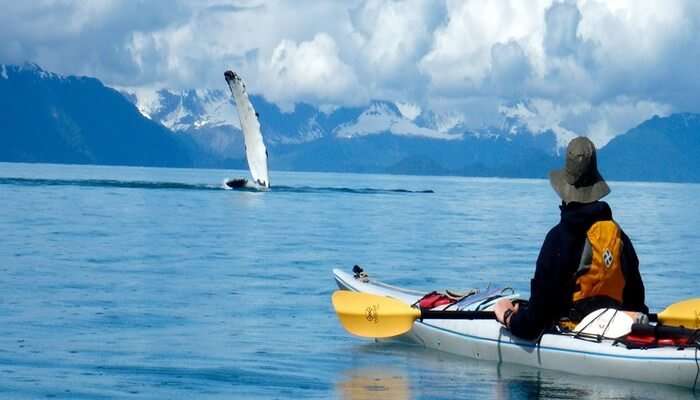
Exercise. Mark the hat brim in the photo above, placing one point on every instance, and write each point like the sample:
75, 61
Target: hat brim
583, 194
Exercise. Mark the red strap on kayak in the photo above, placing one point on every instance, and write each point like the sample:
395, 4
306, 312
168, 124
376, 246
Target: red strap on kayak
648, 340
434, 299
658, 335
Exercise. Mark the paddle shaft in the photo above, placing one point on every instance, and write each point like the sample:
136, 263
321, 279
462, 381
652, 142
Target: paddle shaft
654, 318
435, 314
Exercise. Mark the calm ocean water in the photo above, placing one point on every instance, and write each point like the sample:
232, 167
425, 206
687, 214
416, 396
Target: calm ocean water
148, 283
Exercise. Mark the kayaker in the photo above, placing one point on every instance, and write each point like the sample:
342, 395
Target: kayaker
579, 268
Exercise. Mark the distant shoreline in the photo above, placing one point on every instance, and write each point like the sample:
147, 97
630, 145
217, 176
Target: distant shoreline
244, 172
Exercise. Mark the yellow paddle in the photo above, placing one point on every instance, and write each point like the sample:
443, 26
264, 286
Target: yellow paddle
685, 313
373, 316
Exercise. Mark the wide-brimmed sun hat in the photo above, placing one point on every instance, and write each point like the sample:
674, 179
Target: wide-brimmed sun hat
579, 181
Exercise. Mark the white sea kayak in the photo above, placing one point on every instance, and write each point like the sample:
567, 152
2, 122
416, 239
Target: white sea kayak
488, 340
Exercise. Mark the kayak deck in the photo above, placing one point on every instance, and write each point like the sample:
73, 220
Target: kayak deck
489, 340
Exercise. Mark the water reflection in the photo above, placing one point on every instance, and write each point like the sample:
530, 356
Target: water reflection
519, 382
411, 372
374, 383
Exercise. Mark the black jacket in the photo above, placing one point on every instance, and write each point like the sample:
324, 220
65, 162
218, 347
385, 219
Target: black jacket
552, 288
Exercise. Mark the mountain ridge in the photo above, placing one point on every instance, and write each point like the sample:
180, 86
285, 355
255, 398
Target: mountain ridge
46, 117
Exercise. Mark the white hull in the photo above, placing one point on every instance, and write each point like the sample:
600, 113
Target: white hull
488, 340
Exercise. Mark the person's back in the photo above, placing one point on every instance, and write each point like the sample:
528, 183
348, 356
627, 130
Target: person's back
574, 274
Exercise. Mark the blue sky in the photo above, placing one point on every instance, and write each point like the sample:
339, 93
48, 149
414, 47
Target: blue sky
578, 67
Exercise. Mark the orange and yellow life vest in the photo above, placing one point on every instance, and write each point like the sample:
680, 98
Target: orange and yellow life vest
600, 269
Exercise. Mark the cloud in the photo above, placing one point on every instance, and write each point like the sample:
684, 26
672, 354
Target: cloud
600, 122
217, 8
618, 60
644, 49
310, 71
510, 68
540, 116
461, 53
616, 116
561, 26
81, 37
390, 37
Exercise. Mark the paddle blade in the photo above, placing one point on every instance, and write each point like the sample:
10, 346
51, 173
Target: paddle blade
373, 316
685, 313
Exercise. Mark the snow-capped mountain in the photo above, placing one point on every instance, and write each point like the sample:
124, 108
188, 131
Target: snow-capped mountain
46, 117
211, 117
385, 117
186, 109
207, 117
193, 110
371, 138
90, 124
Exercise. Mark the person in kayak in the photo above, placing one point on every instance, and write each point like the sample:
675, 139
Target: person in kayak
586, 261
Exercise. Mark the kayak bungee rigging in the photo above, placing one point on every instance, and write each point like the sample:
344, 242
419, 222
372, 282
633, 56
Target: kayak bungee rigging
610, 343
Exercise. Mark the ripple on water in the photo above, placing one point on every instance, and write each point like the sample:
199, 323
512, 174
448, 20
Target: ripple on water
137, 289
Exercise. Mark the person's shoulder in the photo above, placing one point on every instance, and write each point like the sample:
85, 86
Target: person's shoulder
604, 208
553, 232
